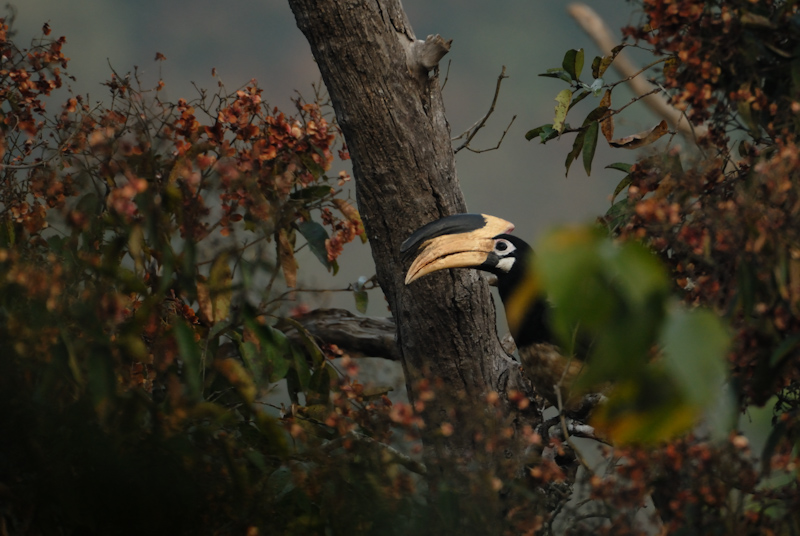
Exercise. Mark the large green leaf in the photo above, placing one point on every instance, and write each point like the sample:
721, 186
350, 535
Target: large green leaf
562, 107
316, 235
695, 343
589, 146
573, 63
190, 355
275, 350
577, 147
558, 73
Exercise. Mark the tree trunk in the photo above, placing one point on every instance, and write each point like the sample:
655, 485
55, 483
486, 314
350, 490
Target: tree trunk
384, 87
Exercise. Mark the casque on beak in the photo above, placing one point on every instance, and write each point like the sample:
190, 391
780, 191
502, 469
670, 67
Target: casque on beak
458, 241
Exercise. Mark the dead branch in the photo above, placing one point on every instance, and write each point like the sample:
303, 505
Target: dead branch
425, 55
358, 336
473, 130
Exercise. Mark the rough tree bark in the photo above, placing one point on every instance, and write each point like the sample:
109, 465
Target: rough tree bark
385, 90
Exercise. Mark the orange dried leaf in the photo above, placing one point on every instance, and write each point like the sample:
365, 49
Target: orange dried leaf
642, 138
204, 300
288, 262
607, 125
350, 212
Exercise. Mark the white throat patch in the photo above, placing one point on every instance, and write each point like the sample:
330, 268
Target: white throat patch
506, 264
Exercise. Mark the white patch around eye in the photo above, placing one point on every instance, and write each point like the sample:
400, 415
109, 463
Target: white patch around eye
506, 264
503, 247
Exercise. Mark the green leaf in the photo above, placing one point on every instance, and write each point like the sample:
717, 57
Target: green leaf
573, 63
274, 348
582, 95
217, 329
362, 300
190, 355
252, 358
617, 215
308, 161
621, 186
589, 146
615, 293
620, 166
637, 272
311, 193
562, 107
320, 385
279, 365
646, 409
280, 483
595, 115
360, 295
558, 73
308, 340
577, 147
293, 386
316, 235
777, 433
301, 368
544, 132
784, 350
695, 343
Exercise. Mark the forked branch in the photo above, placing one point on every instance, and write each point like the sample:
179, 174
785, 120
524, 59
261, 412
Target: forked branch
473, 130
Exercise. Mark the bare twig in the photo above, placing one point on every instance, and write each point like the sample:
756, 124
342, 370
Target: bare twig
498, 141
470, 133
565, 431
619, 110
446, 75
25, 166
396, 456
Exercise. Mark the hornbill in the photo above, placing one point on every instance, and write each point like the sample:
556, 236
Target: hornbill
483, 242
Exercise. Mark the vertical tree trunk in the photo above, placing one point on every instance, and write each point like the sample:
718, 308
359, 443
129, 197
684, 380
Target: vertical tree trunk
384, 86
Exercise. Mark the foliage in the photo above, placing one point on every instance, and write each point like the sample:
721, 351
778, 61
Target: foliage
600, 119
618, 297
143, 325
723, 218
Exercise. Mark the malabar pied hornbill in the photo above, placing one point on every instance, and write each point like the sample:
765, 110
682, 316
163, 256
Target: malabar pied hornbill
483, 242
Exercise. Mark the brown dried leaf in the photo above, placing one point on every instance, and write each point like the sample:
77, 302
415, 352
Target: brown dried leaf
214, 295
288, 262
350, 212
642, 138
204, 300
607, 125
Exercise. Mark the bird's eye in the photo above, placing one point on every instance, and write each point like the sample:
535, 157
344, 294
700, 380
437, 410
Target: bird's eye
503, 246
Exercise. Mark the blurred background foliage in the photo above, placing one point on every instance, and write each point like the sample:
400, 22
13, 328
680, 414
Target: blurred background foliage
147, 259
142, 326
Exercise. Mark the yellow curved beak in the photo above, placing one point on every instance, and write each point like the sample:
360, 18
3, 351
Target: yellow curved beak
459, 241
